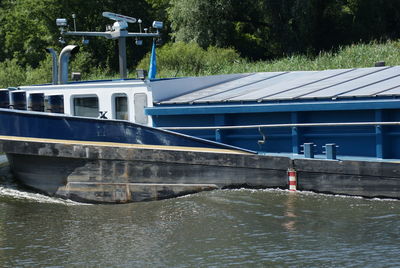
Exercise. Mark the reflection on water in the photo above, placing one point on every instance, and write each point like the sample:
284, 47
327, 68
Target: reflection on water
290, 222
239, 228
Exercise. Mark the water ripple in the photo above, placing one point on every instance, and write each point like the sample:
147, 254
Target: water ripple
225, 228
18, 194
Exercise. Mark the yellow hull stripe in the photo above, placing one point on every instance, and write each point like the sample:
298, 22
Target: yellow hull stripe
124, 145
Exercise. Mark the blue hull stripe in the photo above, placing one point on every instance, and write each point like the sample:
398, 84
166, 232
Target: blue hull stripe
61, 127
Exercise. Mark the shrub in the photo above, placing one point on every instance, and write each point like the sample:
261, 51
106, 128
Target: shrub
11, 74
183, 59
189, 59
40, 75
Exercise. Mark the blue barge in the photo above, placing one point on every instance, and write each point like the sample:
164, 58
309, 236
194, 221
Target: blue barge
168, 137
140, 140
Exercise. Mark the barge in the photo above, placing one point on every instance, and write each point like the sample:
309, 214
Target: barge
143, 139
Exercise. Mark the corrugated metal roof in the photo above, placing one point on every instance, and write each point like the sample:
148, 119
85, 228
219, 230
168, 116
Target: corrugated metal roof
328, 84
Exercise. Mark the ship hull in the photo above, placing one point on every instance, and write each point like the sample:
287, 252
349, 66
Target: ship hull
119, 173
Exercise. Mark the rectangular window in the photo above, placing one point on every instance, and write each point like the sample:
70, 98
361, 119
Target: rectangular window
54, 103
121, 108
86, 106
140, 105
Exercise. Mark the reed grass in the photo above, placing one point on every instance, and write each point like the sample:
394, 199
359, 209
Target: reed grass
179, 59
354, 56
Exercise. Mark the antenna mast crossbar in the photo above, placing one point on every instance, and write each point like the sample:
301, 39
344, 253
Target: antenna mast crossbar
112, 35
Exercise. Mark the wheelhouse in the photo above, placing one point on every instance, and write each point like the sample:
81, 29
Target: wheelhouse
119, 99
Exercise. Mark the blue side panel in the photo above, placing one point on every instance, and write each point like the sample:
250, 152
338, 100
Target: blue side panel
391, 134
279, 139
55, 126
276, 139
363, 141
352, 140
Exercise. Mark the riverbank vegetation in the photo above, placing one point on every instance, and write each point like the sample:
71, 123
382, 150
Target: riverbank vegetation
194, 61
203, 37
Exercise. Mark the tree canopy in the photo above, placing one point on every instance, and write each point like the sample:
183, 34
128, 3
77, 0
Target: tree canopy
262, 29
28, 27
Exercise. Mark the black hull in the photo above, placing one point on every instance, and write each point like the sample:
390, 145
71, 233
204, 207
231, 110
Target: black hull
125, 173
118, 175
43, 173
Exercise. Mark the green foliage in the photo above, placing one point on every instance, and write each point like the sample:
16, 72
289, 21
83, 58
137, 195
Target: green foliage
100, 73
181, 59
83, 62
11, 74
307, 34
159, 12
202, 21
24, 28
353, 56
267, 29
190, 59
39, 75
27, 27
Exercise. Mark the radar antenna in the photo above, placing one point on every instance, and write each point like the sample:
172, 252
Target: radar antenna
118, 17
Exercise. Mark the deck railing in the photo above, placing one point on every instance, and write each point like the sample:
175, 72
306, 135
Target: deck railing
288, 125
379, 133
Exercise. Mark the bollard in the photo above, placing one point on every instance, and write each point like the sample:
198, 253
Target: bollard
330, 150
292, 179
308, 149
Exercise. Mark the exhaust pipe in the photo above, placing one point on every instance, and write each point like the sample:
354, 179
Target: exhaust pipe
53, 53
63, 62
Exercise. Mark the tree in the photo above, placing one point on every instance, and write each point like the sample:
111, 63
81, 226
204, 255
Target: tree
262, 29
28, 27
202, 21
24, 30
375, 19
257, 29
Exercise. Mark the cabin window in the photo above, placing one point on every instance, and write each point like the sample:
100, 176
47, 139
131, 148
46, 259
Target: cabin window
36, 102
4, 99
86, 106
54, 104
121, 107
140, 105
18, 100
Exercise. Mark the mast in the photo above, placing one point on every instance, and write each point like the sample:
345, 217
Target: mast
118, 31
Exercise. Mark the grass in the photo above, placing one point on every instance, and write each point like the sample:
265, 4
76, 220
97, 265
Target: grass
354, 56
180, 59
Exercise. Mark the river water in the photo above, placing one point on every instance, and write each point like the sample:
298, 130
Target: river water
224, 228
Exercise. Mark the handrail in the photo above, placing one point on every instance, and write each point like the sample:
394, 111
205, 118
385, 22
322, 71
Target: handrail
287, 125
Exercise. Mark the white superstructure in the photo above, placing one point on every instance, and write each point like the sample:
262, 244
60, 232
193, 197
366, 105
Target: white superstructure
119, 99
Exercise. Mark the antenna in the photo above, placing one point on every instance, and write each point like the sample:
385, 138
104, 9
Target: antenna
121, 20
118, 17
139, 42
74, 17
140, 25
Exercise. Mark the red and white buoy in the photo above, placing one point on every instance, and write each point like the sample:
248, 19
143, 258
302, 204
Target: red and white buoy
292, 179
